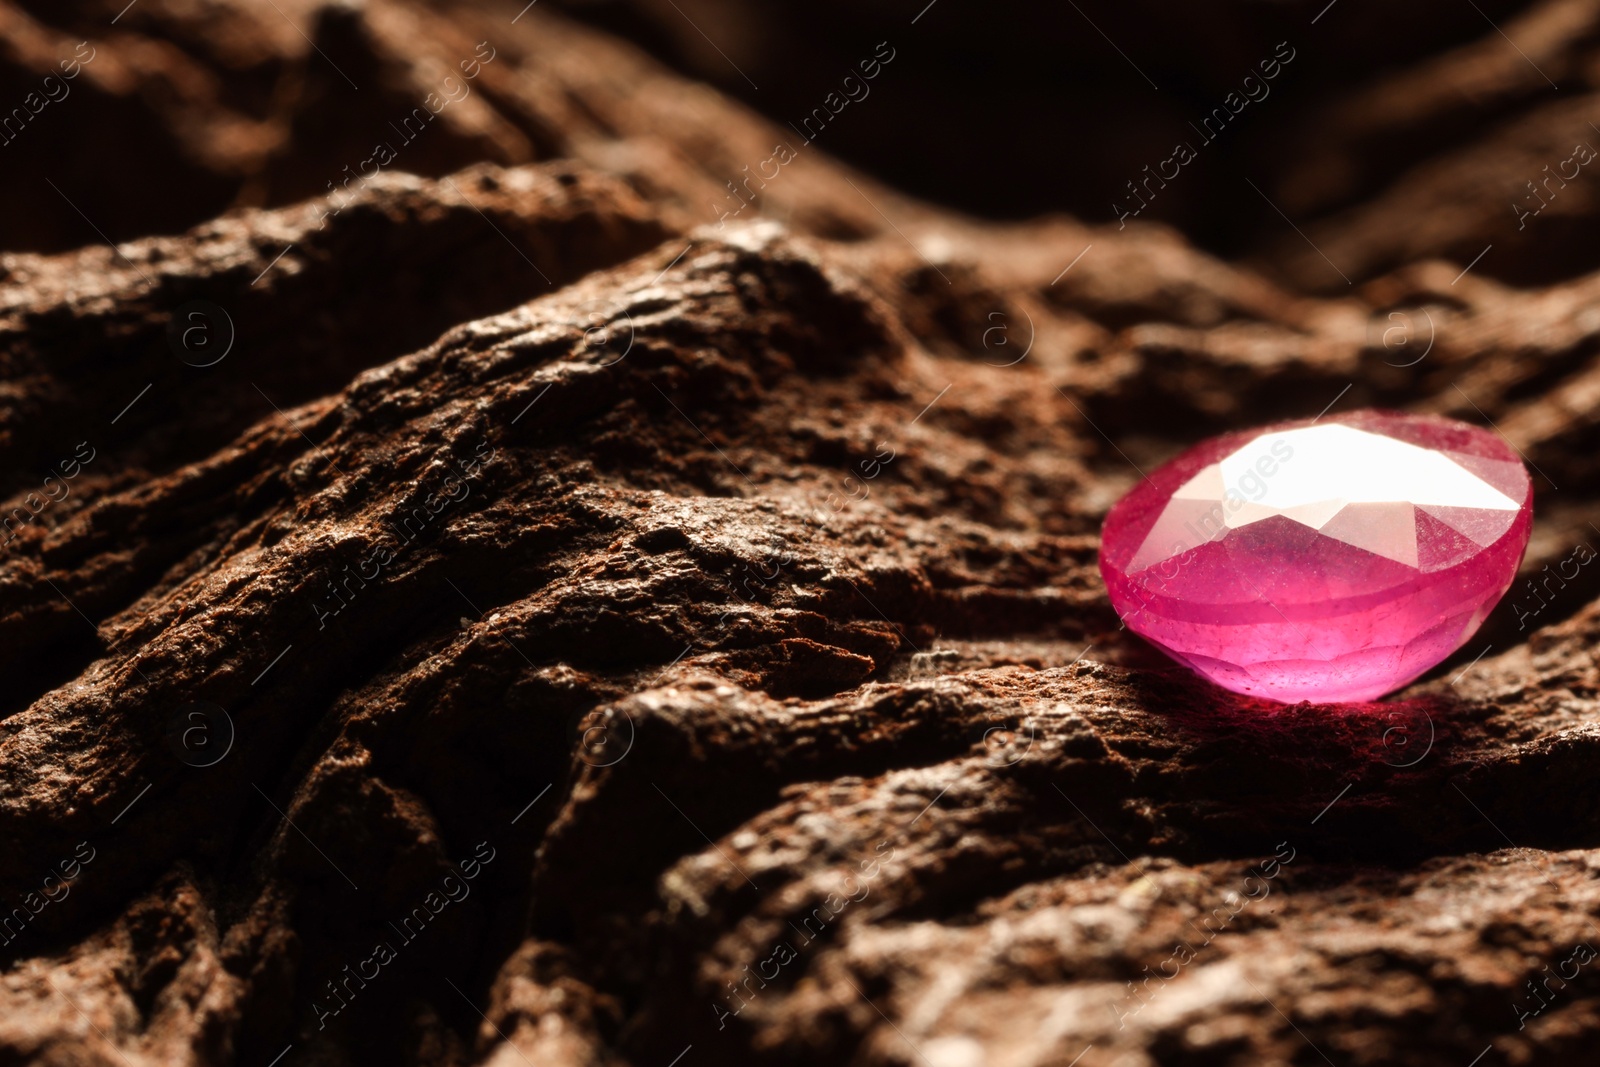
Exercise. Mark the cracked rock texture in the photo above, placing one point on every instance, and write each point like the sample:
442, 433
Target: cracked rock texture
497, 610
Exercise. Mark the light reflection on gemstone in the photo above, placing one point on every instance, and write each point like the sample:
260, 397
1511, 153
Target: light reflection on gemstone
1328, 561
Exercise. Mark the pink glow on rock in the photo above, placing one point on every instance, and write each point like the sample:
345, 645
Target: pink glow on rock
1327, 561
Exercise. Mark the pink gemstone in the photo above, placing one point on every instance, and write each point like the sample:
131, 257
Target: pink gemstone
1327, 561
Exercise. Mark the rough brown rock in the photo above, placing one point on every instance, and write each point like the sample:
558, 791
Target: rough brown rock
721, 596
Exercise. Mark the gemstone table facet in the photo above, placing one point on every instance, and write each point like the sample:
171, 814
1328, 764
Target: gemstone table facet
1327, 560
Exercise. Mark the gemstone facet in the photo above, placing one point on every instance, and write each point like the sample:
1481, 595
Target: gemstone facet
1328, 560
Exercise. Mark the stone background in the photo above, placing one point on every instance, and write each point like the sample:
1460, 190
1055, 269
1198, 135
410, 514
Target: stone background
515, 602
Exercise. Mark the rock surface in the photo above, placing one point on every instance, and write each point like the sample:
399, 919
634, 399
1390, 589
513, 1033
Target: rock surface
567, 625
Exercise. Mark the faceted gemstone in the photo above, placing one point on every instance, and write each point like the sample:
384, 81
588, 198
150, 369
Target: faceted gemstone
1327, 560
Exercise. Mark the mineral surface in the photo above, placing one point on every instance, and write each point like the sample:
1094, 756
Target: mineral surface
678, 639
